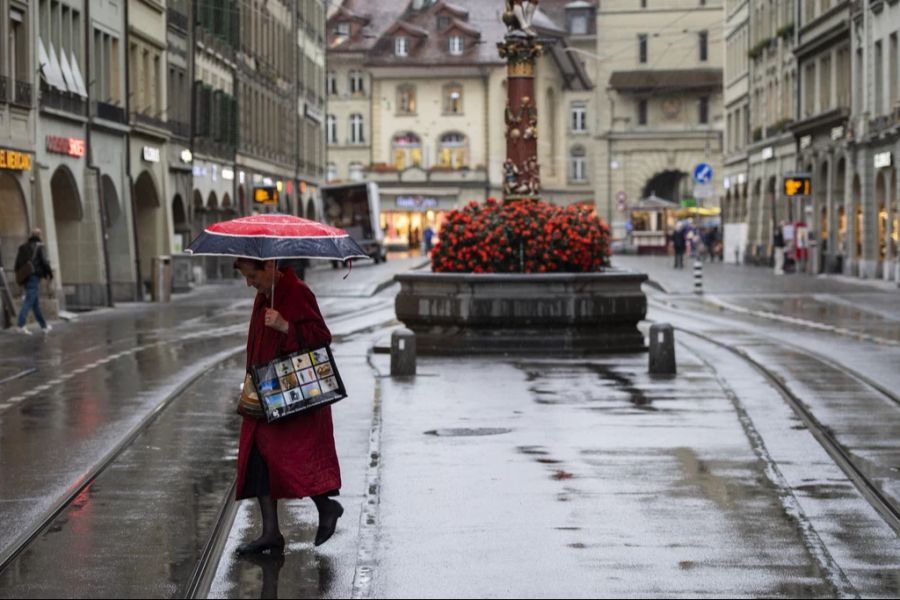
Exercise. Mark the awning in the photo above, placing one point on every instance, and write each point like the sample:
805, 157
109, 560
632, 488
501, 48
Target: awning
657, 80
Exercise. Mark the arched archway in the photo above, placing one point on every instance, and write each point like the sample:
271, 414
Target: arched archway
148, 222
821, 214
180, 224
68, 217
670, 185
857, 218
839, 218
311, 209
242, 201
212, 203
881, 249
894, 221
14, 228
226, 204
118, 243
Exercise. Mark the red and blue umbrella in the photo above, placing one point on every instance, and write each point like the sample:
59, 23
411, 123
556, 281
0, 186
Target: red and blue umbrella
275, 236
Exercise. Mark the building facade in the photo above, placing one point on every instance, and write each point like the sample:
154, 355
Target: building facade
417, 96
660, 67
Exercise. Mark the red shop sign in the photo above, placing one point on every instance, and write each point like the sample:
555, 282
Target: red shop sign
65, 145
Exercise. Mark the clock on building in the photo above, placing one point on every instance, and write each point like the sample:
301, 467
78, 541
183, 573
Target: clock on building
671, 107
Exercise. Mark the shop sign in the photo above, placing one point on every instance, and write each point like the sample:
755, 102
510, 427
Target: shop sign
882, 159
186, 156
416, 202
768, 152
12, 159
742, 179
805, 142
265, 195
797, 184
837, 133
65, 145
200, 171
151, 154
227, 174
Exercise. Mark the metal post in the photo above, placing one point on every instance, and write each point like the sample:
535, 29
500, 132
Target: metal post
698, 276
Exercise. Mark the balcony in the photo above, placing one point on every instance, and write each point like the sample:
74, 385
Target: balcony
64, 101
177, 19
23, 94
110, 112
150, 120
179, 128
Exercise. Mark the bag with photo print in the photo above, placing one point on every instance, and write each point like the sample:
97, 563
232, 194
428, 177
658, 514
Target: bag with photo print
297, 382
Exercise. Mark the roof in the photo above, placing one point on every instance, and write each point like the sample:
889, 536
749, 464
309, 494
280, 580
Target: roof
377, 17
656, 80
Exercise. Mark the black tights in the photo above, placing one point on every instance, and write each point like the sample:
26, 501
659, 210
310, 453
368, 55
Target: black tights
268, 507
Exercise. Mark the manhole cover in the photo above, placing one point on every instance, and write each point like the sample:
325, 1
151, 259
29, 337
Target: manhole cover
468, 431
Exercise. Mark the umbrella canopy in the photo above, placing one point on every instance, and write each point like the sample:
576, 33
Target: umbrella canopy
275, 236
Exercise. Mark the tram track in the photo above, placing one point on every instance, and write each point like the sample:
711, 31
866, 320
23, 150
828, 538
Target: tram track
844, 457
89, 475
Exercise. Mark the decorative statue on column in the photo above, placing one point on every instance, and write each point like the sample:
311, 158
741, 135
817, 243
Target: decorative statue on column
518, 15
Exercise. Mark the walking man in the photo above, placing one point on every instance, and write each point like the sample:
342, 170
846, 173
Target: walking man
31, 267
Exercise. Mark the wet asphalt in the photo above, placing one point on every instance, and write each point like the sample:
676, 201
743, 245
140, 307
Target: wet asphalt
477, 478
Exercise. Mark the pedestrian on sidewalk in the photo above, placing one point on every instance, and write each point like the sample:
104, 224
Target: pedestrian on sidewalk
429, 238
296, 457
31, 267
678, 242
778, 242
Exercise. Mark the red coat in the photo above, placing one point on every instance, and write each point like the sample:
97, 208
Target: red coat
299, 451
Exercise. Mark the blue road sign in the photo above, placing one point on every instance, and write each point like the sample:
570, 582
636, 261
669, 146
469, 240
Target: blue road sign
703, 173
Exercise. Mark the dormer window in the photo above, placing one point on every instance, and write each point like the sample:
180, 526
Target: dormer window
442, 22
457, 45
401, 46
343, 28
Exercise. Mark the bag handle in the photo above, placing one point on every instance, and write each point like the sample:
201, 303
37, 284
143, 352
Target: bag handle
300, 344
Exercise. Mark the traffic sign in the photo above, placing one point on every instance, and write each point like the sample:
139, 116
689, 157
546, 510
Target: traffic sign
703, 173
704, 191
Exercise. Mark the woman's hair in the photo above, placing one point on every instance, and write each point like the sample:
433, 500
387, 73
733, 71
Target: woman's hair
259, 265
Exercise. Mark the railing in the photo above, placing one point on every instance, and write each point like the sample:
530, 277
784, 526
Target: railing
180, 128
146, 119
64, 101
177, 18
23, 93
110, 112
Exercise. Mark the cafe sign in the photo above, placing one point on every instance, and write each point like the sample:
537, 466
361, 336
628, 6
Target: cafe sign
15, 160
65, 145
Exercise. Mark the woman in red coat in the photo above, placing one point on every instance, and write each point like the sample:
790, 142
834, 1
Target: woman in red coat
293, 458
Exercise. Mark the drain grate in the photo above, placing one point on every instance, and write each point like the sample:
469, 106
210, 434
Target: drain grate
468, 431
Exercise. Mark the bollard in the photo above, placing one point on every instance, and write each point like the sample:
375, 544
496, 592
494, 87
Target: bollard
403, 353
662, 349
698, 277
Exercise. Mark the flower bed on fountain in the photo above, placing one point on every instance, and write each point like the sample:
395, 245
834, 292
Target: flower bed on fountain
523, 277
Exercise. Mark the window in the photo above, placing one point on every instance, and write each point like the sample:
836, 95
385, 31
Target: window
453, 99
643, 3
331, 172
18, 47
343, 28
893, 60
704, 109
452, 151
356, 83
406, 99
456, 45
578, 24
407, 150
401, 46
704, 46
442, 22
579, 117
578, 165
642, 112
356, 171
331, 129
331, 83
879, 79
642, 47
356, 129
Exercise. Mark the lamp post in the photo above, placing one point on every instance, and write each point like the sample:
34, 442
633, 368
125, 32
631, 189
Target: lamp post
520, 48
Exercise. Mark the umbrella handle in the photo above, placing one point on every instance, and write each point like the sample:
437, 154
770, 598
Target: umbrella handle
349, 268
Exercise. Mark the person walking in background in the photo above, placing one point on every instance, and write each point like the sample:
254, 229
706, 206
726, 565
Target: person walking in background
678, 242
428, 237
31, 267
778, 243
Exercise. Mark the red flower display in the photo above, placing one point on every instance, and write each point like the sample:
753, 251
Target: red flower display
522, 236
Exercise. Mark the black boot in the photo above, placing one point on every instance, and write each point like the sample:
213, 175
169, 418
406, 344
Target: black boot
329, 513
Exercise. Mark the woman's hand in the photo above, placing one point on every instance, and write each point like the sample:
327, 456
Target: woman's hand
276, 321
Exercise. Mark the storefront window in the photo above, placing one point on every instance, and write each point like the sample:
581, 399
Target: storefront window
452, 151
407, 149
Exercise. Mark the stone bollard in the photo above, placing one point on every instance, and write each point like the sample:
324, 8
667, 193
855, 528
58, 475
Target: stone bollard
698, 277
662, 349
403, 353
